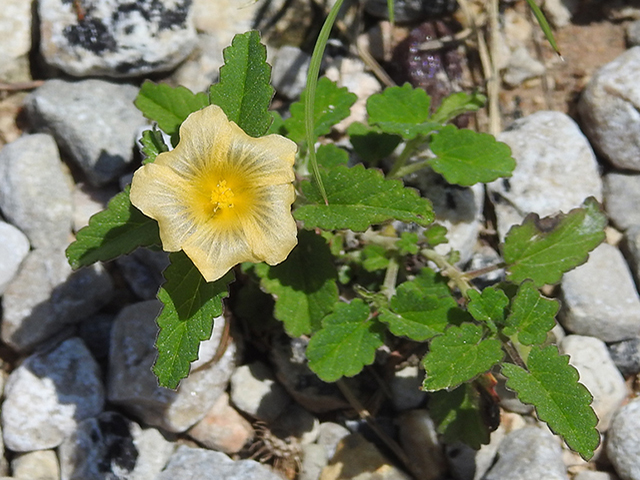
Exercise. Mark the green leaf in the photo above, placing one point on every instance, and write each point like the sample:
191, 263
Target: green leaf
332, 104
459, 355
277, 124
543, 249
152, 145
371, 143
465, 157
551, 385
532, 315
488, 306
168, 106
304, 285
117, 230
244, 91
329, 156
358, 198
346, 343
458, 416
190, 305
436, 234
375, 258
421, 308
408, 243
402, 111
457, 104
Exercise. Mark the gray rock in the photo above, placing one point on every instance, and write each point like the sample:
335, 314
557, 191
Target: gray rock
633, 34
296, 422
87, 201
559, 12
38, 465
609, 109
223, 428
142, 269
459, 209
626, 356
111, 446
48, 395
419, 440
95, 332
631, 247
255, 392
621, 196
405, 388
93, 121
35, 195
133, 385
314, 459
15, 38
14, 247
46, 296
528, 453
330, 435
550, 153
594, 475
598, 373
623, 441
289, 73
600, 298
196, 463
521, 67
115, 39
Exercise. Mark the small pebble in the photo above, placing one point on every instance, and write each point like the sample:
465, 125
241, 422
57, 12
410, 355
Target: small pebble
623, 441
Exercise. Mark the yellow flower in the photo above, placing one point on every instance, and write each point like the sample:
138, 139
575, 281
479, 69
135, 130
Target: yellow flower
221, 196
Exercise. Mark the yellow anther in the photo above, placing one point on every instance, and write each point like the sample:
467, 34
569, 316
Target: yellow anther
221, 196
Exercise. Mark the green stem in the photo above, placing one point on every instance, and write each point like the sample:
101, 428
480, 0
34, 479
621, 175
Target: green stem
448, 270
409, 169
483, 271
409, 148
391, 278
312, 82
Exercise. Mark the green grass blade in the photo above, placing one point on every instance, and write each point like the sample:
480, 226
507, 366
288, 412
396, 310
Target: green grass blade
312, 81
544, 25
391, 11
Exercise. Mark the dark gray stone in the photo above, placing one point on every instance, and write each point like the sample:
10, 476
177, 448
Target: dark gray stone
626, 356
93, 121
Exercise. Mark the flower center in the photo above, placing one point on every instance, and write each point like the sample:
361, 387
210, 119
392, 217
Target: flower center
221, 196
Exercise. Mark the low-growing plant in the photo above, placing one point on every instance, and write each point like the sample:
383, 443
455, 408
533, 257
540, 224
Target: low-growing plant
341, 274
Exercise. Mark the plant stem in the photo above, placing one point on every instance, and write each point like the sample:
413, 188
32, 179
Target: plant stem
482, 271
390, 278
409, 169
409, 147
457, 276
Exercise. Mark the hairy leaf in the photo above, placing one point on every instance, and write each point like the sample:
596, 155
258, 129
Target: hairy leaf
304, 285
488, 306
401, 111
458, 416
532, 315
118, 230
543, 249
244, 91
551, 385
358, 198
465, 157
190, 305
371, 143
330, 156
152, 145
460, 355
421, 308
347, 342
457, 104
168, 106
332, 104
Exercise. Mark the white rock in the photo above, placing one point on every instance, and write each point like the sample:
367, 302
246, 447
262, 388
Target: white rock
38, 465
550, 153
48, 395
14, 247
609, 108
255, 392
598, 373
600, 298
621, 196
15, 38
521, 66
289, 73
623, 441
115, 39
133, 385
559, 12
35, 194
